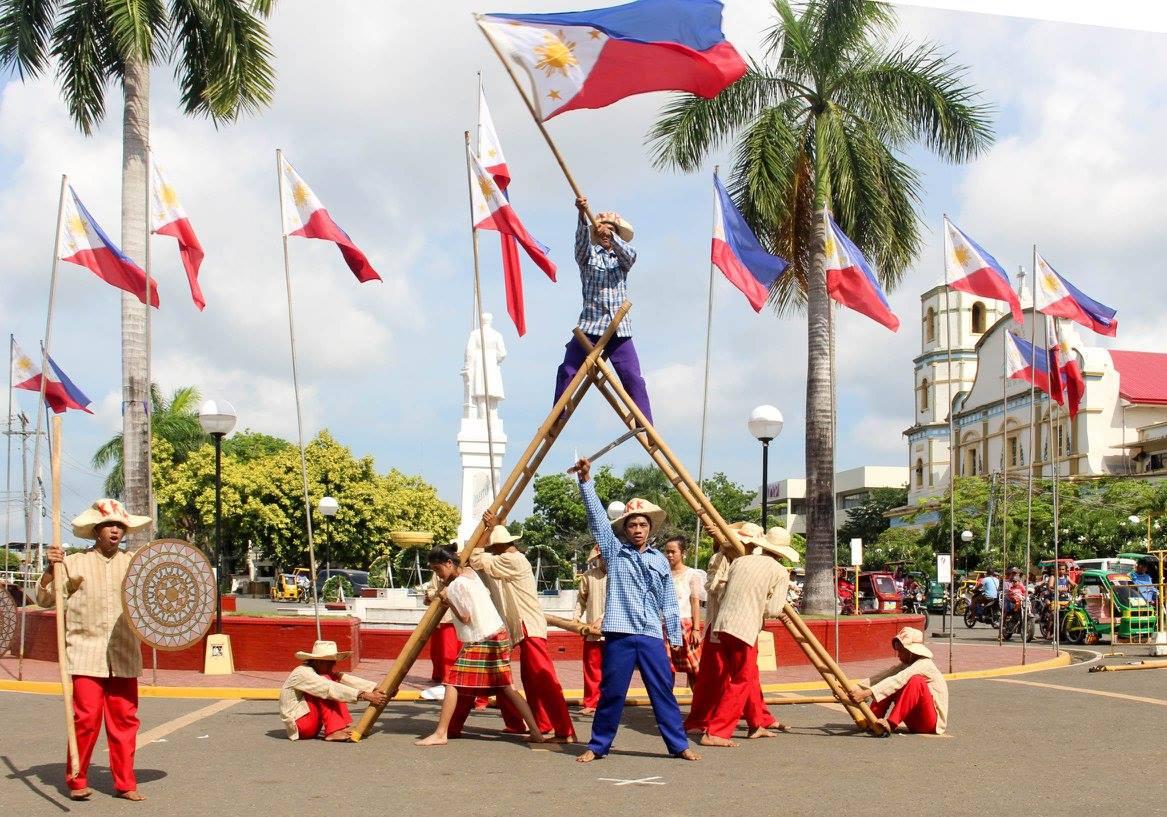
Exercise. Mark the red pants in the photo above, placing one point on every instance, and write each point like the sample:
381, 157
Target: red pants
741, 689
116, 701
323, 714
912, 706
593, 668
542, 690
444, 646
711, 679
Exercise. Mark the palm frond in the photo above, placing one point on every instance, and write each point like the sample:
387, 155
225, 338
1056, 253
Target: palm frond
82, 45
25, 28
844, 28
136, 27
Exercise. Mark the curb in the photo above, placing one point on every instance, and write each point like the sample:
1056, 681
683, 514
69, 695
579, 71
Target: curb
572, 695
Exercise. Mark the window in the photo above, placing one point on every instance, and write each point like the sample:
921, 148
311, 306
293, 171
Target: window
798, 507
924, 394
930, 325
919, 473
978, 318
850, 501
970, 460
1013, 452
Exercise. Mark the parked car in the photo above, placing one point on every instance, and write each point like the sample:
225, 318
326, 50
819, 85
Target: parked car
357, 578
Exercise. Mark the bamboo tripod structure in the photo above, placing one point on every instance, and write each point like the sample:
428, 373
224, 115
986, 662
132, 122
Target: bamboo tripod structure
596, 371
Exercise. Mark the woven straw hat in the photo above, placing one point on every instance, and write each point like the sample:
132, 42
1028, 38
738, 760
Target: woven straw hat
103, 511
639, 507
323, 651
619, 224
777, 541
912, 640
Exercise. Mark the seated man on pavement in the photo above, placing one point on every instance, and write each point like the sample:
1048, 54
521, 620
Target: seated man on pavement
913, 693
314, 696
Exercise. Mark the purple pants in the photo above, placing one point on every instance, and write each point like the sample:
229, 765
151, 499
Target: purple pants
621, 354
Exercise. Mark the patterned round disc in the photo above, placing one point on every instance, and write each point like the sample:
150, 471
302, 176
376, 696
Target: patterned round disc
8, 621
169, 594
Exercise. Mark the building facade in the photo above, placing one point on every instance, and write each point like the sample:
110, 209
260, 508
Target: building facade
787, 498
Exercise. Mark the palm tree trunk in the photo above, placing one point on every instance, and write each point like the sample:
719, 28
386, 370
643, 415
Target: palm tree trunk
135, 389
819, 597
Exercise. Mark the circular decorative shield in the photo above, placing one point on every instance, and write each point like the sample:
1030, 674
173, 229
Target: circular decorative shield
8, 621
168, 594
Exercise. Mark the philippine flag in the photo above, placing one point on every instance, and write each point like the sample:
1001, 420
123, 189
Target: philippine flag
84, 243
489, 146
306, 217
168, 218
61, 394
850, 280
1058, 298
495, 163
1023, 362
970, 269
590, 59
1072, 381
737, 252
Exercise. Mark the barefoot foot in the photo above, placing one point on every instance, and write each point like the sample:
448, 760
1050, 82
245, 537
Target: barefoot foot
80, 794
689, 754
712, 740
760, 732
588, 710
536, 737
131, 795
339, 735
432, 740
588, 757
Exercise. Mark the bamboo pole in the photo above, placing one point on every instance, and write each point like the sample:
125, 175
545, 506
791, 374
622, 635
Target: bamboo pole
59, 578
522, 473
705, 381
571, 625
534, 114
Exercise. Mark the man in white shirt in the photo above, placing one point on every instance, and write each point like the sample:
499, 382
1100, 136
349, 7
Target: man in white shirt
913, 693
314, 698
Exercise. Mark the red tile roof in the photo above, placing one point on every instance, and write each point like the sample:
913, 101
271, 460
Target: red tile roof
1142, 376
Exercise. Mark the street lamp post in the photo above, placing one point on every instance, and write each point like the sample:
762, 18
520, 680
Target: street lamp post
765, 424
328, 506
217, 418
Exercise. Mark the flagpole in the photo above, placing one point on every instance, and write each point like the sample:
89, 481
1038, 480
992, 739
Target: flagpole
481, 328
534, 115
1054, 444
1033, 446
296, 391
1004, 480
952, 453
705, 382
149, 407
832, 315
8, 462
27, 536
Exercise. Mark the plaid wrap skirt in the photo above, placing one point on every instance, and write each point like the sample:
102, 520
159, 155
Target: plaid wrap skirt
686, 659
483, 664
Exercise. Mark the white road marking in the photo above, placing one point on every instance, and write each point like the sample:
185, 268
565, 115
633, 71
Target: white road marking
643, 781
156, 734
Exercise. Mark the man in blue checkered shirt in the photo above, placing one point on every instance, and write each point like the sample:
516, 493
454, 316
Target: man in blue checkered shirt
605, 258
640, 606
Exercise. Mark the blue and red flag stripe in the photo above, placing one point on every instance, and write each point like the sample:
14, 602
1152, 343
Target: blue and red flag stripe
737, 252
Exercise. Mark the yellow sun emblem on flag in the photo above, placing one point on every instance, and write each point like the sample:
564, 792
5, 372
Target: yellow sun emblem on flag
962, 254
829, 248
556, 55
23, 364
300, 194
487, 187
168, 196
1050, 282
76, 226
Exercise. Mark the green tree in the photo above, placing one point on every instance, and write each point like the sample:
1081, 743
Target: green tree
175, 430
250, 445
222, 63
900, 545
867, 521
822, 128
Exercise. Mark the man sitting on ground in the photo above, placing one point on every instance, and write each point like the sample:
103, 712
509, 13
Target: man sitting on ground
913, 692
314, 696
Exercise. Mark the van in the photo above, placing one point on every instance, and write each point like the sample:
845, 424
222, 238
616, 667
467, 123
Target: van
1113, 564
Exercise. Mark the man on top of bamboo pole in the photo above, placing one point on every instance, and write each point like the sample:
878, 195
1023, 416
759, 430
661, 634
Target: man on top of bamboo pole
102, 654
605, 257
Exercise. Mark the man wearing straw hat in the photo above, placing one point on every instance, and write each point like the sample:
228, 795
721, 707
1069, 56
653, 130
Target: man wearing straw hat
102, 654
755, 589
589, 600
640, 598
913, 692
605, 258
511, 582
314, 697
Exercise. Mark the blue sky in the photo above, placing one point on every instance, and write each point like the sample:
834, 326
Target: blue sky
371, 110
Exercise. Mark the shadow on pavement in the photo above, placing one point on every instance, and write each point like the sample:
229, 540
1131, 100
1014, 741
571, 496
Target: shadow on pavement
52, 776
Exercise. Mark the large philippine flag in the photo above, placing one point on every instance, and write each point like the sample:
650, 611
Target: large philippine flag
1058, 298
850, 280
489, 146
737, 252
495, 163
1072, 381
589, 59
1023, 361
306, 217
970, 269
84, 243
61, 394
167, 217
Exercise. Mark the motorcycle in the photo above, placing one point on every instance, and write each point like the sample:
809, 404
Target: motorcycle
1021, 616
983, 613
916, 604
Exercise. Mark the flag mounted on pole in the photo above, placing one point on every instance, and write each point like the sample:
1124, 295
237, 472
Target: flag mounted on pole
970, 269
737, 252
1024, 362
1071, 379
590, 59
167, 217
61, 394
1058, 298
84, 243
305, 216
495, 163
850, 280
489, 146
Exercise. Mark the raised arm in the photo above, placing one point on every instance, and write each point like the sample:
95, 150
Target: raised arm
598, 523
625, 253
583, 234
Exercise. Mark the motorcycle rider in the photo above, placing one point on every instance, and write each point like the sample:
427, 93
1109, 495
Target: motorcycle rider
987, 589
1014, 591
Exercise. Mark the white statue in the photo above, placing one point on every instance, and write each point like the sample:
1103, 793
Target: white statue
483, 388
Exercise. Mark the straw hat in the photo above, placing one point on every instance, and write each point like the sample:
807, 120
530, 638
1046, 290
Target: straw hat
594, 553
622, 227
323, 651
499, 535
912, 640
639, 507
777, 541
103, 511
748, 533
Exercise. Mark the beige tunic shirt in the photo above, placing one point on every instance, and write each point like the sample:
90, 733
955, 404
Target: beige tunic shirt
715, 576
755, 589
512, 586
98, 638
589, 601
892, 681
306, 681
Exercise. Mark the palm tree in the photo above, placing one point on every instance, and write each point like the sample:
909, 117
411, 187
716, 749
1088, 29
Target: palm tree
822, 127
222, 63
174, 421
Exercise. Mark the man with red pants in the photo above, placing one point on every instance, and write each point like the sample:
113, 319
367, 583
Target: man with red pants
314, 698
913, 693
511, 582
755, 589
589, 600
102, 654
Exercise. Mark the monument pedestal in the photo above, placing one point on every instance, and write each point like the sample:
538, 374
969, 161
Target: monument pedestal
475, 451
